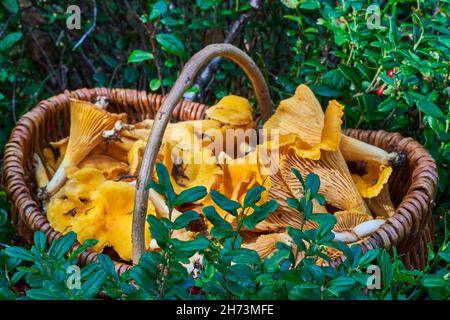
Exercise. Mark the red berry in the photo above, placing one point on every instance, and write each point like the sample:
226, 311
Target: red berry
390, 73
194, 290
380, 91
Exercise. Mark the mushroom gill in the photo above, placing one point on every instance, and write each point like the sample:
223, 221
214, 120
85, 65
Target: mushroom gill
336, 182
265, 245
87, 125
381, 205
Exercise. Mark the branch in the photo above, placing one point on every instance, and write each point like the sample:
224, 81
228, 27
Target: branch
152, 35
91, 28
205, 76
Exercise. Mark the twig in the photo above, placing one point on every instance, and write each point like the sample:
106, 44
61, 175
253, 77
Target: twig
5, 26
152, 35
13, 99
205, 76
91, 28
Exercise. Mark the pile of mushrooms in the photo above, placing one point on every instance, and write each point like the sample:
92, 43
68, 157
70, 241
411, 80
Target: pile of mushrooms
86, 181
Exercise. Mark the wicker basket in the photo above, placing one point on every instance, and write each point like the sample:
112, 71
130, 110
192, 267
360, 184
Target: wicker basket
412, 186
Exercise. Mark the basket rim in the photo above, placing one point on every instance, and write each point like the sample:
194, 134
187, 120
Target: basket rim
409, 218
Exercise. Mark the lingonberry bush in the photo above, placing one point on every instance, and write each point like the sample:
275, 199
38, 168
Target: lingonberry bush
386, 61
220, 268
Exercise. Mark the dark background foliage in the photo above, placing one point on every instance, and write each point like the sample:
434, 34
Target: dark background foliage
393, 76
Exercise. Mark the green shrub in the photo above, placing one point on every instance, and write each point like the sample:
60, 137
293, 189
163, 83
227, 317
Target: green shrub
227, 270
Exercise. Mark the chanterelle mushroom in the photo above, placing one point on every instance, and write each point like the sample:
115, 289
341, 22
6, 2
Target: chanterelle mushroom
87, 125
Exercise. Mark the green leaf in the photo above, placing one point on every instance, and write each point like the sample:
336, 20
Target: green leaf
243, 255
20, 253
260, 214
43, 294
368, 257
108, 266
40, 240
291, 4
315, 271
387, 105
11, 5
88, 243
170, 43
159, 231
220, 233
299, 177
7, 294
223, 202
341, 284
325, 91
9, 40
217, 221
351, 75
297, 236
198, 244
155, 84
326, 223
310, 5
253, 195
60, 247
312, 183
387, 268
434, 281
139, 56
393, 30
205, 4
160, 8
184, 219
190, 195
430, 109
240, 273
164, 181
92, 286
293, 203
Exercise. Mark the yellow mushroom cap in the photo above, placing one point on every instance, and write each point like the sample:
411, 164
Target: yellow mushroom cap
110, 167
301, 115
135, 156
371, 183
190, 167
96, 208
304, 127
232, 110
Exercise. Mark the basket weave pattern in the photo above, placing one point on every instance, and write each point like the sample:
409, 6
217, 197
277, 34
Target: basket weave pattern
412, 186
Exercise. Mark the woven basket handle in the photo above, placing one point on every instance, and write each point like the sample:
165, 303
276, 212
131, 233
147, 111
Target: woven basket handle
162, 118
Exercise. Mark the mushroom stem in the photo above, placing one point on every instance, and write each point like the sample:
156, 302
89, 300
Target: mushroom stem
345, 236
40, 172
160, 206
59, 177
355, 150
162, 118
367, 228
359, 232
